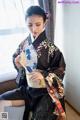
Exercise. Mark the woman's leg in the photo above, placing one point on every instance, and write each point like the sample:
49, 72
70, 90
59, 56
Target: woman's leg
14, 97
15, 103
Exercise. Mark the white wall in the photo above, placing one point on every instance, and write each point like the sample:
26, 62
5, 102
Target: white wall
68, 39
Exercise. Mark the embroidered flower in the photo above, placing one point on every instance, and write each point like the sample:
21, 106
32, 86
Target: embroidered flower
52, 48
46, 45
42, 44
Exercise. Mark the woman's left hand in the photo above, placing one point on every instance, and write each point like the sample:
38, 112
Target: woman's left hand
36, 75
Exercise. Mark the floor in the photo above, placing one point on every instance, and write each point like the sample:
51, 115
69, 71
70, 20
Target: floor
71, 114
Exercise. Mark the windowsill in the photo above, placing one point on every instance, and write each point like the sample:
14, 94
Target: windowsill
8, 76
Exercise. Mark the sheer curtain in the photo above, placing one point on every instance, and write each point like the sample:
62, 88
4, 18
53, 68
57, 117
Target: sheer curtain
12, 31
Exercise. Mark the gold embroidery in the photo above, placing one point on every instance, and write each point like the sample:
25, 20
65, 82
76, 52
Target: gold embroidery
47, 45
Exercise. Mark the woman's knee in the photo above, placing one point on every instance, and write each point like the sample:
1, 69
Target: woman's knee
18, 103
14, 103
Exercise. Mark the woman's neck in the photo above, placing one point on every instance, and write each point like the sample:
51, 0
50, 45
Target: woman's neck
35, 37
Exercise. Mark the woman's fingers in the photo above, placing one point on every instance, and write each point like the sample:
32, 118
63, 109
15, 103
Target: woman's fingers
17, 61
36, 76
22, 59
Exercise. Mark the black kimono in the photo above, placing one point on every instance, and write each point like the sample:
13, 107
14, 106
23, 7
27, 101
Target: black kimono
49, 60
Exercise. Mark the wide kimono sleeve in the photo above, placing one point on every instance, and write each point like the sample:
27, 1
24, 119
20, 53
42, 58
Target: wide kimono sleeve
55, 72
56, 63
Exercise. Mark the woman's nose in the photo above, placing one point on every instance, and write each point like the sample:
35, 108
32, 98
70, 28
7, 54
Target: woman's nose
34, 29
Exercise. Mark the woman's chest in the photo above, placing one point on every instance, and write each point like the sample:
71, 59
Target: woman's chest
43, 58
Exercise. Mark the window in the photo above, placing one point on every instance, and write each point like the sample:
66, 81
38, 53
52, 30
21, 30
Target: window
12, 31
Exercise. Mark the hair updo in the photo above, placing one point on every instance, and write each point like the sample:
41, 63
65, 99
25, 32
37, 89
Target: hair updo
35, 10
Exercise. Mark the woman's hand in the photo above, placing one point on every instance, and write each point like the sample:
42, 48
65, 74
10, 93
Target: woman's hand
36, 79
36, 75
17, 62
20, 60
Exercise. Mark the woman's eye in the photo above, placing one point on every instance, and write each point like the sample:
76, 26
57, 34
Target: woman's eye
38, 24
30, 25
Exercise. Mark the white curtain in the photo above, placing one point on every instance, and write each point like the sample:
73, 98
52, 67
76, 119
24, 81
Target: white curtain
12, 31
11, 14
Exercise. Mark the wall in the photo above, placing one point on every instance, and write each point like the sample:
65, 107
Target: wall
67, 37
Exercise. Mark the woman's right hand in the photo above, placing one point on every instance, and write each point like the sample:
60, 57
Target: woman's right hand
17, 62
20, 60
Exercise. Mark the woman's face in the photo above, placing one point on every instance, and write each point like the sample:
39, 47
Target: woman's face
35, 24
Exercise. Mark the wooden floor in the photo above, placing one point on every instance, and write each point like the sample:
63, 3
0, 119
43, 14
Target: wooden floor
71, 114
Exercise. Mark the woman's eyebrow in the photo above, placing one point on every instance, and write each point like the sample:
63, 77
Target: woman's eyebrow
35, 23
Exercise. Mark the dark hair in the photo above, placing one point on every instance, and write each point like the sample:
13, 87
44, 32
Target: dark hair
35, 10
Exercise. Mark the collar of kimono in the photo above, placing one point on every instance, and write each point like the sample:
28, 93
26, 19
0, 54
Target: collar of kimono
39, 39
32, 38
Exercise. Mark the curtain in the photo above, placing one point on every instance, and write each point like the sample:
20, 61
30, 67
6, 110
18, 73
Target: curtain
12, 31
49, 6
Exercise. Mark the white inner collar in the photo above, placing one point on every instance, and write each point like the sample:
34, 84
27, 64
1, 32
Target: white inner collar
32, 38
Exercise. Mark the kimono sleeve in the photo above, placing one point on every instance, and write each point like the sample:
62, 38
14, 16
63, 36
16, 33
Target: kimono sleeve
56, 64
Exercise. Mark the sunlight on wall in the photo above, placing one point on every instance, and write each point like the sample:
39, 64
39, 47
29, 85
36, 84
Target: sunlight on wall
59, 26
59, 29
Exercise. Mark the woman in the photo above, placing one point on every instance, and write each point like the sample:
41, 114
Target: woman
42, 59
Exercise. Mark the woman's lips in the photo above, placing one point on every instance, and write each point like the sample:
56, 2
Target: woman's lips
35, 34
